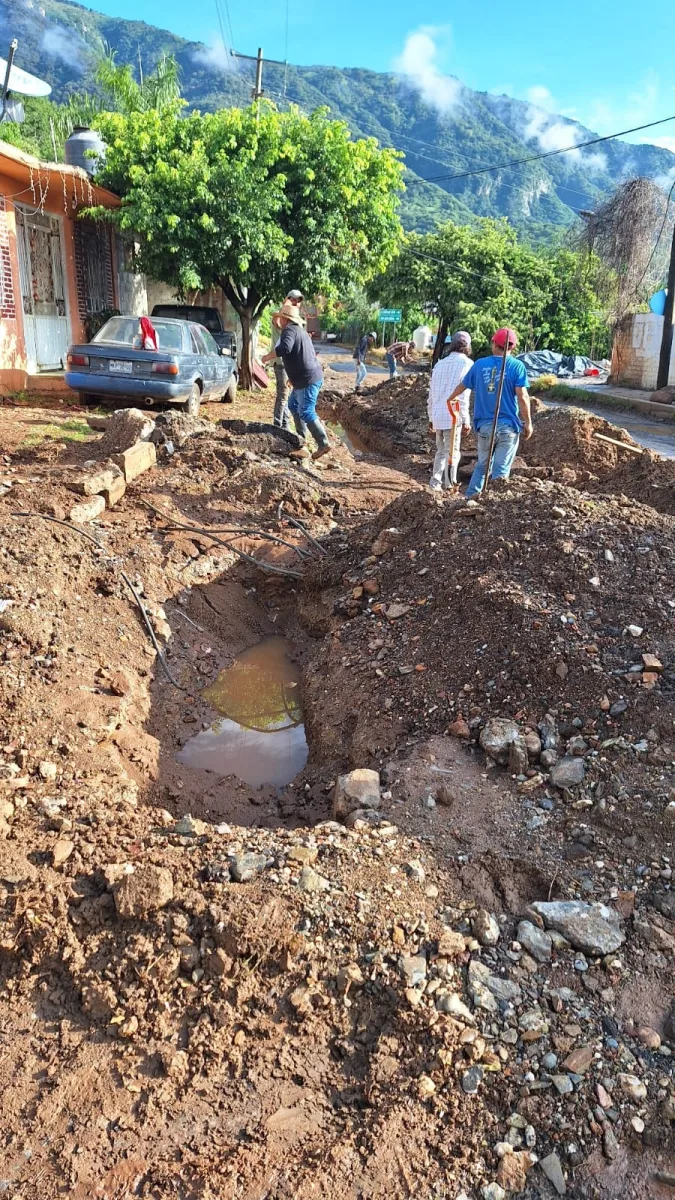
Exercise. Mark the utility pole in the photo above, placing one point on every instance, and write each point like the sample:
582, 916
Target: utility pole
667, 335
140, 64
258, 60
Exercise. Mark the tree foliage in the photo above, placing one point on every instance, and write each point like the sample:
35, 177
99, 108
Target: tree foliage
253, 202
480, 277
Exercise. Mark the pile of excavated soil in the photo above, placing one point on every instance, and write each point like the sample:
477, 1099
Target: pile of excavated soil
516, 606
390, 418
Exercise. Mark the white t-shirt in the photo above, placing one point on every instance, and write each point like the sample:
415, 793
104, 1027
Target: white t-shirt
444, 379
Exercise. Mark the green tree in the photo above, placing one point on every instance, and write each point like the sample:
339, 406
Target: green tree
118, 91
481, 276
254, 202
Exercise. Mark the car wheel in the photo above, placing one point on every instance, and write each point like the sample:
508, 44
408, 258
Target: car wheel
193, 401
231, 393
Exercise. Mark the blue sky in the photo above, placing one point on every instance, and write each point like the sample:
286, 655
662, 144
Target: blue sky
599, 61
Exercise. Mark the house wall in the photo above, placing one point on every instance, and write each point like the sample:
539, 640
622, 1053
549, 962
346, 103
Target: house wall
13, 365
636, 350
132, 292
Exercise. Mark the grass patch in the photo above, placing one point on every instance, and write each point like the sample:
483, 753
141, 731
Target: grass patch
564, 391
65, 431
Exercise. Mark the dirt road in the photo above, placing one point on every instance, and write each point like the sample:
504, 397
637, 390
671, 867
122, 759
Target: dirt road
211, 987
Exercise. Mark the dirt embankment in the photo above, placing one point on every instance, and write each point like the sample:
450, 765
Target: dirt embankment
256, 1004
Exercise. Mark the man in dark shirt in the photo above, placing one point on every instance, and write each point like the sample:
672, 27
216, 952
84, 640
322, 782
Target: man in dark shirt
303, 368
362, 347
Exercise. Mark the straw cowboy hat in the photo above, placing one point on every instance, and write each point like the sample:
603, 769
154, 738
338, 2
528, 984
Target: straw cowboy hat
291, 312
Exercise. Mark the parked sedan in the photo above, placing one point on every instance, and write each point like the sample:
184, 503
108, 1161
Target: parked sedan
186, 368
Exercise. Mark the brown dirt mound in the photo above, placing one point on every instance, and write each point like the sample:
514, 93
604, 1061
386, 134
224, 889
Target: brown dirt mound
565, 436
516, 606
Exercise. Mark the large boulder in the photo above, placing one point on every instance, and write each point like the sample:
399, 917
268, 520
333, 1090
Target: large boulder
592, 928
357, 789
496, 737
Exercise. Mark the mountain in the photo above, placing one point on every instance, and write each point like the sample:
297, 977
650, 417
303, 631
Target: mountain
57, 37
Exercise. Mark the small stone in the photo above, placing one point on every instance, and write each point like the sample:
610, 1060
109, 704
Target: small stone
451, 1003
485, 927
451, 944
530, 1137
512, 1172
492, 1191
47, 770
245, 867
618, 708
415, 871
311, 881
609, 1142
62, 852
635, 630
632, 1086
129, 1027
496, 737
518, 757
649, 1037
394, 612
425, 1087
120, 682
568, 772
88, 510
563, 1084
306, 855
348, 977
550, 1061
553, 1172
638, 1124
358, 789
413, 968
604, 1098
459, 728
535, 941
471, 1080
532, 744
145, 891
579, 1060
592, 928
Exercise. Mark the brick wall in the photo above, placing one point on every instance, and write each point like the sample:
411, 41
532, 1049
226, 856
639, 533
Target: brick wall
7, 300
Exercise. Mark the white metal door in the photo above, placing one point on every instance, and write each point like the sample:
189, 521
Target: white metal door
43, 292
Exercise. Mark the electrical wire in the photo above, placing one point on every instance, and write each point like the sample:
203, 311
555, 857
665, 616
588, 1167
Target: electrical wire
551, 153
286, 52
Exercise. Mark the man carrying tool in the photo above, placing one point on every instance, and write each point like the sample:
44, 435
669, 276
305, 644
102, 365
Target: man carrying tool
444, 421
398, 353
304, 370
514, 409
362, 348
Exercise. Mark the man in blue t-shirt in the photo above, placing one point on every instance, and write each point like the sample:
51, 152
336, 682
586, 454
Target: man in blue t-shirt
514, 409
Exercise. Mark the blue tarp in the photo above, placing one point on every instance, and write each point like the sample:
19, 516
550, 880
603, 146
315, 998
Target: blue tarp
549, 362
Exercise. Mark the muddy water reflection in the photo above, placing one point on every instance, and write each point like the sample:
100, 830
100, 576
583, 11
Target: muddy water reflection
261, 738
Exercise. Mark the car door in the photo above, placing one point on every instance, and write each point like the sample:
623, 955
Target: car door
221, 367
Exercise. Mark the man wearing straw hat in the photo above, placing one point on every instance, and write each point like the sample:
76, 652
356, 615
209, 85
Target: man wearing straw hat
304, 371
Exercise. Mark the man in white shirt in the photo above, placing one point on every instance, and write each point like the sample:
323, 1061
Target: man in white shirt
445, 377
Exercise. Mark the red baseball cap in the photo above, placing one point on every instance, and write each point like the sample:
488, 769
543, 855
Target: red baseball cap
504, 336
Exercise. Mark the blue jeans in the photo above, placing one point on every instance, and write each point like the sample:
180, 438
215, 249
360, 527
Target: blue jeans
360, 373
506, 448
391, 363
302, 407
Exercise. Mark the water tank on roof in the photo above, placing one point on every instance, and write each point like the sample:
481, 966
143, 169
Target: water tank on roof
84, 148
422, 337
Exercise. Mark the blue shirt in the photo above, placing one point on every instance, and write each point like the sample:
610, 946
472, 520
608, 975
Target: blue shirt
483, 379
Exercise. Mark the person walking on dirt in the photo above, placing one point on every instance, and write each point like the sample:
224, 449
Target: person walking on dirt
514, 411
282, 417
304, 371
362, 348
398, 353
447, 425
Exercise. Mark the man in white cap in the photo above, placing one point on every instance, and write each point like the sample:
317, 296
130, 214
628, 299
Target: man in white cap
446, 424
304, 371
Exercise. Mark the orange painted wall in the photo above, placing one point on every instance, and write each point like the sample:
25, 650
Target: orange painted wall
13, 375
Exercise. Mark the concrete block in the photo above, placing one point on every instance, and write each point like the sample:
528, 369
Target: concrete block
99, 424
115, 491
96, 480
87, 511
137, 459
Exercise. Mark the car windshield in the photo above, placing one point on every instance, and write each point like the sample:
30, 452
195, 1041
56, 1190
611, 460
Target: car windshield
124, 331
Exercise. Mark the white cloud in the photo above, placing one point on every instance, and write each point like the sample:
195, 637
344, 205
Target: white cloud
58, 44
666, 143
418, 63
541, 97
215, 57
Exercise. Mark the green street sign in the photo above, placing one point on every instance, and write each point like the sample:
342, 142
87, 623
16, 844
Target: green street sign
389, 314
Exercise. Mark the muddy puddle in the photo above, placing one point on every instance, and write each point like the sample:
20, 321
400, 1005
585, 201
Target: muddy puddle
260, 735
351, 440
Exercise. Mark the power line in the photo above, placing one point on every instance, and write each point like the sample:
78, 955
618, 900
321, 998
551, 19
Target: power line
286, 52
516, 162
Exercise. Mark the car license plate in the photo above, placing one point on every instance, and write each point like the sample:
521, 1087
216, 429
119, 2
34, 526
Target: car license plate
119, 367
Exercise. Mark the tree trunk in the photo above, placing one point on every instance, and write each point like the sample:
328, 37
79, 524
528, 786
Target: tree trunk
248, 309
440, 340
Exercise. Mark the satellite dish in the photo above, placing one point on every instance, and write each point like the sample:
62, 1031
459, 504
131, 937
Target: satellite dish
23, 83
